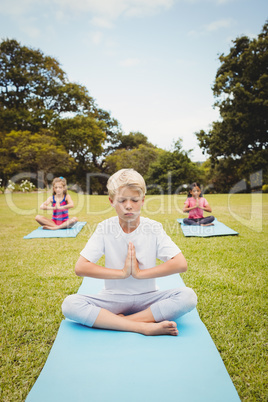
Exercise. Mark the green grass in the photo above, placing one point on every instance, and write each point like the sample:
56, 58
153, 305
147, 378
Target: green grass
229, 275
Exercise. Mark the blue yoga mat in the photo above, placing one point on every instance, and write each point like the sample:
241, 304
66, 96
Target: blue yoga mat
43, 233
218, 229
87, 364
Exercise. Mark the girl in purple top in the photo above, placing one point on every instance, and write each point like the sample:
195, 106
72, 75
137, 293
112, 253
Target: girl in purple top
60, 202
195, 205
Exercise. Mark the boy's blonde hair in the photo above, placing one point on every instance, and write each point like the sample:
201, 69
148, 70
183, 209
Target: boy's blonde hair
126, 178
62, 181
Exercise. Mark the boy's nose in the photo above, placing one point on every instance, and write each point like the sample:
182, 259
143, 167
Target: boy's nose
128, 205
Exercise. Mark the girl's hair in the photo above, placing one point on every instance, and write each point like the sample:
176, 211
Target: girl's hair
62, 181
192, 186
125, 178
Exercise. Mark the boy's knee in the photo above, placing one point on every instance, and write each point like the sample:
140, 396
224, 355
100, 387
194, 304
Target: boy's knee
67, 305
191, 297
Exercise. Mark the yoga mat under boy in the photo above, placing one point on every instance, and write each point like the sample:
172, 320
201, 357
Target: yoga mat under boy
87, 364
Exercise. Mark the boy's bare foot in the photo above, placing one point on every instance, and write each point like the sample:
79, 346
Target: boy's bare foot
161, 328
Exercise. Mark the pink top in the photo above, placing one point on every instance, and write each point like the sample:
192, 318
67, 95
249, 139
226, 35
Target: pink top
196, 213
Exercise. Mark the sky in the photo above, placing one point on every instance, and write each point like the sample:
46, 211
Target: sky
150, 63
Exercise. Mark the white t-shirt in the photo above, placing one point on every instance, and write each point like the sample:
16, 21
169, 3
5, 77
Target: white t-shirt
150, 241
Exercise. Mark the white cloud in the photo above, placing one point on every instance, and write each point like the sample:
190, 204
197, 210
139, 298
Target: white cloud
130, 62
96, 37
215, 25
103, 12
16, 7
112, 9
101, 22
30, 30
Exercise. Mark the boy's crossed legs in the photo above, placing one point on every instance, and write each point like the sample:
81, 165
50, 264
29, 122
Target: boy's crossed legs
149, 314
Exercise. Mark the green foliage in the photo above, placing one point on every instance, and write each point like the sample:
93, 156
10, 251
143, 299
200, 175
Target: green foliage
237, 144
241, 88
112, 130
82, 137
34, 90
171, 171
139, 158
26, 151
35, 95
133, 140
227, 172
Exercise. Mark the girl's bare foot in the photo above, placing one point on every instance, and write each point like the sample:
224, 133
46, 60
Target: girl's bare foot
46, 227
72, 222
161, 328
207, 224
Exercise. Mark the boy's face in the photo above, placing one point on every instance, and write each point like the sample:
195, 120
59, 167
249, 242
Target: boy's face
128, 203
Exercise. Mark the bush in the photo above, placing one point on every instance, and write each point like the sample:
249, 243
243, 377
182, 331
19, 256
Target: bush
25, 186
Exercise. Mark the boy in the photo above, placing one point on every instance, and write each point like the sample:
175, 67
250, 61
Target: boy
131, 244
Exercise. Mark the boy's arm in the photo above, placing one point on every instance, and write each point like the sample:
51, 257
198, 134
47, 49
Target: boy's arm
84, 267
175, 265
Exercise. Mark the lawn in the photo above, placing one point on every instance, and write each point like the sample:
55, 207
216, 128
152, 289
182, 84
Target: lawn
229, 275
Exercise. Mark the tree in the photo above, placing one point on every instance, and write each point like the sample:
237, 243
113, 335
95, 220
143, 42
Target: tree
23, 151
34, 90
171, 170
112, 130
133, 140
35, 94
241, 89
138, 158
83, 138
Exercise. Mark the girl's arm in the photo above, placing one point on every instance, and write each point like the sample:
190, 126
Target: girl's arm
175, 265
186, 207
69, 204
206, 208
46, 205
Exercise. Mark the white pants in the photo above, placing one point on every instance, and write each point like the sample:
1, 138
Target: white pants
165, 305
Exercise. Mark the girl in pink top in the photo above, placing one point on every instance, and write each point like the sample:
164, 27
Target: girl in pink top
195, 205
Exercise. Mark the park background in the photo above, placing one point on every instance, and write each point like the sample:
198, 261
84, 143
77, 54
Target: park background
176, 90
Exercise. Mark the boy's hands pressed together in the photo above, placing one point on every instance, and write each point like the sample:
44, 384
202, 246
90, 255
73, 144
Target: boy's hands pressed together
128, 263
131, 266
135, 270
